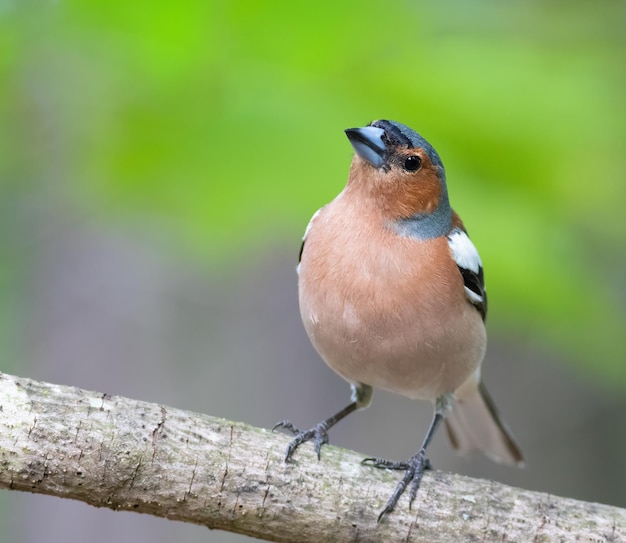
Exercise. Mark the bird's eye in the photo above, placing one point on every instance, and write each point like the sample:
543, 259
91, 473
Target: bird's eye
412, 163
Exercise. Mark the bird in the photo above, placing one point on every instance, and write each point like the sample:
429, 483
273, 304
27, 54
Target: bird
392, 296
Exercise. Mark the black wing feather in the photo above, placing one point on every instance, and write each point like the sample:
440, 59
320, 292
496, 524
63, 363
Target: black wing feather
476, 283
473, 279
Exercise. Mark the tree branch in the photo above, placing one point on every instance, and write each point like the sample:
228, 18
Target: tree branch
135, 456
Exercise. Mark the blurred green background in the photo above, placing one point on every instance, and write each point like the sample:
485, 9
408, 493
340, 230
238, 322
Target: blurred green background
159, 162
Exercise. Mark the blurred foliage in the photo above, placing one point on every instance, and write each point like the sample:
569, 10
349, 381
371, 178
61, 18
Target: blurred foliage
217, 127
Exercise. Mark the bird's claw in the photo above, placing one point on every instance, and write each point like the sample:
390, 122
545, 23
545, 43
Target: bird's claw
382, 463
287, 425
414, 470
318, 434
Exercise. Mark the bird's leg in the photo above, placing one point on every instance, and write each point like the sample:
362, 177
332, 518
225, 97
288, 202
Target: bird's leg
361, 397
319, 432
416, 465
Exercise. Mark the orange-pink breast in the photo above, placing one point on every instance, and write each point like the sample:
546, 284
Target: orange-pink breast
386, 310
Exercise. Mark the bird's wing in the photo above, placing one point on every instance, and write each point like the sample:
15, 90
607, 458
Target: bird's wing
468, 261
306, 233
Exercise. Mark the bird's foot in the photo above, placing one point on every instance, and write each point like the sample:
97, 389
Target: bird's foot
414, 470
318, 434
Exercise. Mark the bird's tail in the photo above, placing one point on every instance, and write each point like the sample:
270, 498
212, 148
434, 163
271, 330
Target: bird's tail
474, 424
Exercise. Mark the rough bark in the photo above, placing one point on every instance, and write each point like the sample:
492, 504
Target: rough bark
130, 455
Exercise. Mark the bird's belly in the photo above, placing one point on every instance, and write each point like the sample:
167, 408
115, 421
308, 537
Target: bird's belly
419, 352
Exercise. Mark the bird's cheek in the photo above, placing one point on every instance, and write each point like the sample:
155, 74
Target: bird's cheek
419, 196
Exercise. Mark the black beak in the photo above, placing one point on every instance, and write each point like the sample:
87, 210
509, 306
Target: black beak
368, 144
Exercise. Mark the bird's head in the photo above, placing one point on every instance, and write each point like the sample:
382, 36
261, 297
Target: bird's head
404, 174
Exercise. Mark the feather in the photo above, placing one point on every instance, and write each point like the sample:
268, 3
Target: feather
470, 266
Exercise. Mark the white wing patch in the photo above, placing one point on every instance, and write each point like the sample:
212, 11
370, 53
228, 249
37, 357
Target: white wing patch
468, 261
473, 297
306, 233
308, 226
464, 252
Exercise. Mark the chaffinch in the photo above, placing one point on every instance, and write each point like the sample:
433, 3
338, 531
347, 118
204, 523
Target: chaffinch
392, 295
